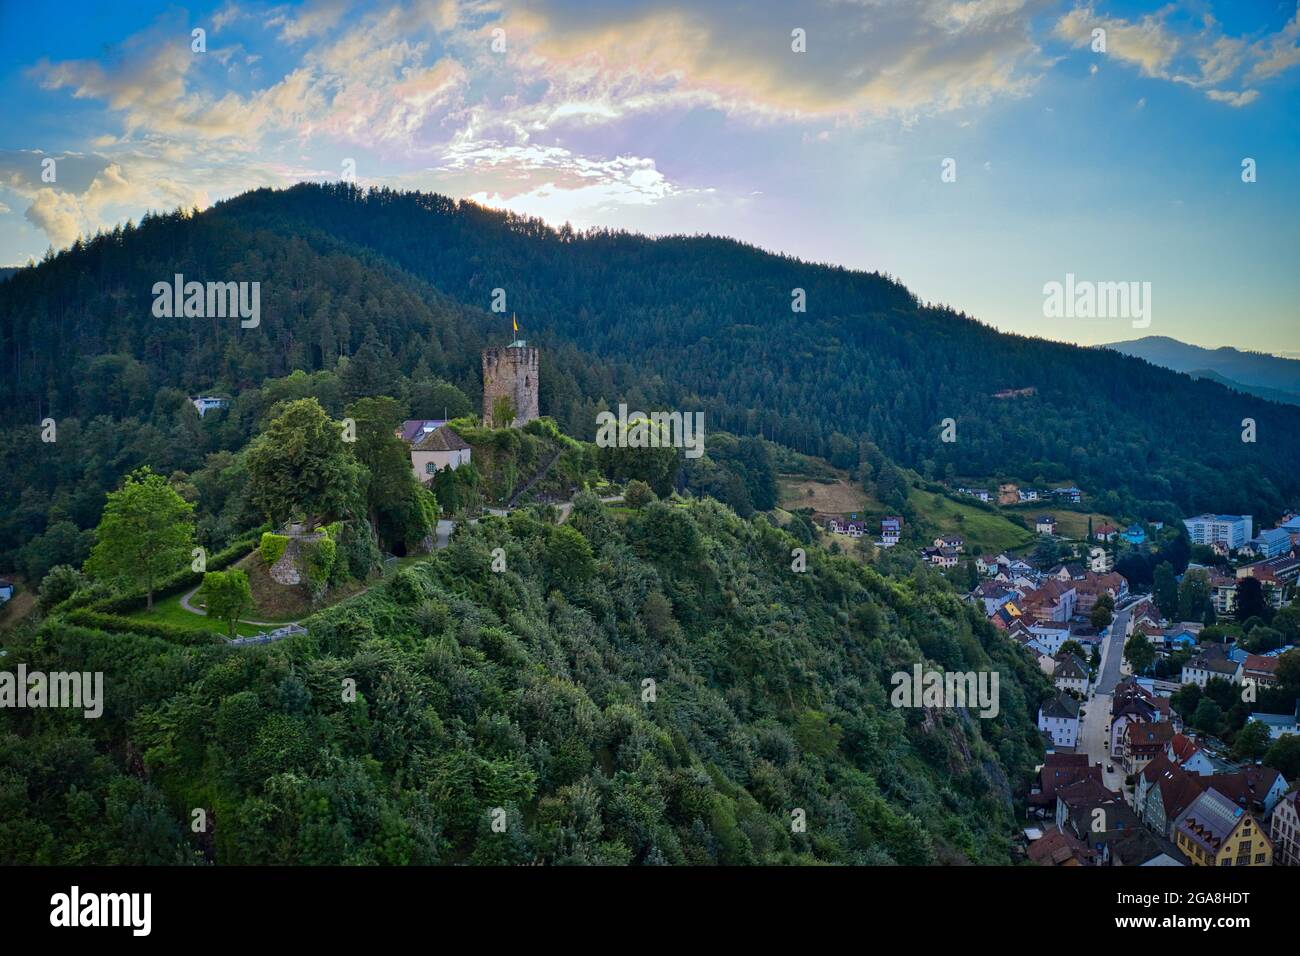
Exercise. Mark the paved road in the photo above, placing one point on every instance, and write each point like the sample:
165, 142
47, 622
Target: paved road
1112, 653
1094, 737
185, 603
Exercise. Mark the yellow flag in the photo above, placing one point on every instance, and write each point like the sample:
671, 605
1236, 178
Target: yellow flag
515, 321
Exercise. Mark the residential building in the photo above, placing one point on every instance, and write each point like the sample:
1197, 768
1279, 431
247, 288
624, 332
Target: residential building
1257, 669
847, 526
986, 564
1045, 525
1105, 532
1214, 831
1057, 772
1053, 600
1059, 716
1223, 593
6, 589
1071, 673
1071, 494
953, 541
1277, 575
1134, 534
1279, 725
1143, 742
1285, 830
1162, 791
413, 429
1232, 530
438, 449
1059, 848
1100, 561
206, 403
1209, 664
891, 529
1272, 543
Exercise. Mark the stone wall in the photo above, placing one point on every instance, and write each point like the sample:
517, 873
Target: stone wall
512, 372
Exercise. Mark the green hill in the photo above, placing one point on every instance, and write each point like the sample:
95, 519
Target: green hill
526, 692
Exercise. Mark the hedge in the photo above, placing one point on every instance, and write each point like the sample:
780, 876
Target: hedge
272, 547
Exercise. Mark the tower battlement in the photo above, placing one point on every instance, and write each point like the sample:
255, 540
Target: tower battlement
510, 372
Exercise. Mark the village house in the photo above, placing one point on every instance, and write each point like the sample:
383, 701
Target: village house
847, 527
1100, 561
206, 403
1071, 673
993, 595
1053, 600
1259, 670
952, 541
432, 451
1214, 831
1279, 725
1223, 593
1059, 716
1134, 534
1193, 758
6, 589
891, 529
1057, 772
1143, 742
1285, 831
1162, 791
1046, 524
1209, 664
1131, 704
986, 564
1105, 532
1058, 848
1274, 574
1072, 494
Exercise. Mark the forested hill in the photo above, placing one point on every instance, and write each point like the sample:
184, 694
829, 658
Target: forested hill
686, 322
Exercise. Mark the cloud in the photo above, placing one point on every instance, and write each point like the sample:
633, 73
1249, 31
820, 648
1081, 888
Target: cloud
872, 58
1192, 51
57, 214
1233, 98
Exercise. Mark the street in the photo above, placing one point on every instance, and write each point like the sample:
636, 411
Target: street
1094, 735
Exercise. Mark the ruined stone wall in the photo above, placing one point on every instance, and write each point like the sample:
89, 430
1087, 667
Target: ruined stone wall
511, 372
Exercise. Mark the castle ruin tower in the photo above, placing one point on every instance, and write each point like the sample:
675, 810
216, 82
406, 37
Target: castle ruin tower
510, 372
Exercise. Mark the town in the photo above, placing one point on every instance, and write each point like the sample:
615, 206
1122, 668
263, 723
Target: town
1148, 681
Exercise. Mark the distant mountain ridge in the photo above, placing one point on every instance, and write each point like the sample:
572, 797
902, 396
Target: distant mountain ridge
1246, 371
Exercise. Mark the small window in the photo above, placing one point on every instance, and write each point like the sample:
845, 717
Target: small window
430, 468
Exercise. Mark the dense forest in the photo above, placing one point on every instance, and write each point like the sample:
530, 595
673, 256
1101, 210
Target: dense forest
378, 290
651, 686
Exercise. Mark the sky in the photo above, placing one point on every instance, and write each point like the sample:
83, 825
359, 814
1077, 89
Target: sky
977, 150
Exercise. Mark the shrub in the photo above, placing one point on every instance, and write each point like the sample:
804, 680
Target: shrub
272, 547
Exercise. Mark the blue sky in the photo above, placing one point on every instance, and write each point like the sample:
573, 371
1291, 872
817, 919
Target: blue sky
1122, 165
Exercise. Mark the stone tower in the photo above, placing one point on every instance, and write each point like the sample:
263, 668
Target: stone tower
512, 372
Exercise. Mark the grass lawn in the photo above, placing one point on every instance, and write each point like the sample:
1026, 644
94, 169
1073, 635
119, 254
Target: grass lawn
1069, 524
985, 532
168, 610
839, 497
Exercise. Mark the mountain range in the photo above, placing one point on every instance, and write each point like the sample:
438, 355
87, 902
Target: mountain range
1253, 373
698, 322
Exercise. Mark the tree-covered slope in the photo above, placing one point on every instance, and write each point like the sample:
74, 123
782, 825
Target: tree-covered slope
526, 691
684, 322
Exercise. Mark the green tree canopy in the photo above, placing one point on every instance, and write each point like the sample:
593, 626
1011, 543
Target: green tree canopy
301, 468
145, 535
